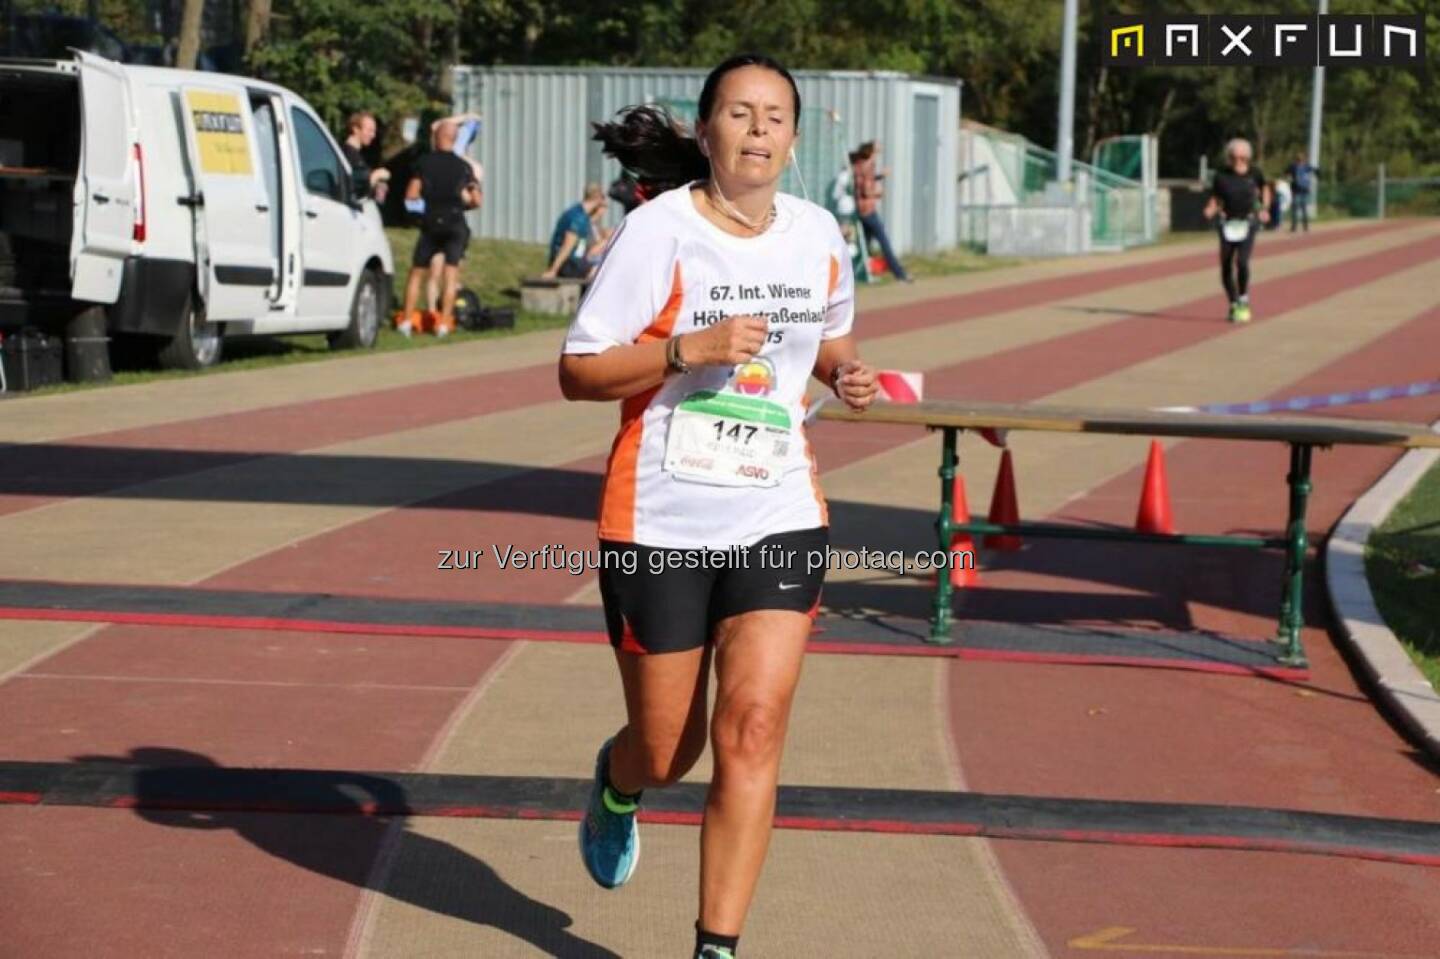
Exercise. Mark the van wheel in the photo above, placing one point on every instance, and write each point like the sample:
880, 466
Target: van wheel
365, 313
196, 345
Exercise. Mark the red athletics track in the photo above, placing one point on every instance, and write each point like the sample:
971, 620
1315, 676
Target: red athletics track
151, 717
557, 506
1209, 755
149, 453
1352, 773
1315, 746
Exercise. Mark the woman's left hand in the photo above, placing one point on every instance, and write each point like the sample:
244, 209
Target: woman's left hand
855, 384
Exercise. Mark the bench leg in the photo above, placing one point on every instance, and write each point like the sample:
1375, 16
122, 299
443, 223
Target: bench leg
1282, 627
940, 622
1292, 604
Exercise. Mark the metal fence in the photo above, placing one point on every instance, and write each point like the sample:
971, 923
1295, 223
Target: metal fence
538, 154
1381, 197
1013, 203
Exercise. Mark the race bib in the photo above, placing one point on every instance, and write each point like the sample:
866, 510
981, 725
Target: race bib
726, 439
1235, 231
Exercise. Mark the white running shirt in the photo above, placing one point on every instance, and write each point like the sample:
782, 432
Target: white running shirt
669, 271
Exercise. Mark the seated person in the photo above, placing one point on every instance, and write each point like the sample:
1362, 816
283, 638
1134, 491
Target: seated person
573, 250
600, 232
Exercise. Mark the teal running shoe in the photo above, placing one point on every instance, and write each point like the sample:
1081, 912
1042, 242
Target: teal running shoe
714, 952
609, 834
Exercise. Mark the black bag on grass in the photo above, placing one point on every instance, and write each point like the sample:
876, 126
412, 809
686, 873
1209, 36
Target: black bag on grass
469, 313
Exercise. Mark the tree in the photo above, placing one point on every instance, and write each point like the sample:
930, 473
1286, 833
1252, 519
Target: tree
190, 35
344, 56
257, 23
392, 58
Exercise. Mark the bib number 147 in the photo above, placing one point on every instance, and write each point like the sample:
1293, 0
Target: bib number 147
743, 432
728, 440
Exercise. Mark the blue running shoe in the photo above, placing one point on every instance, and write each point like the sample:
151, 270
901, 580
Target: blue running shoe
609, 835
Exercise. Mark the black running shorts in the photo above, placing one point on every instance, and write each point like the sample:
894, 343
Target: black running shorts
451, 242
669, 600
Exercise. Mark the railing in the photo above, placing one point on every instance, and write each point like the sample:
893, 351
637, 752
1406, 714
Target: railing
1116, 211
1381, 197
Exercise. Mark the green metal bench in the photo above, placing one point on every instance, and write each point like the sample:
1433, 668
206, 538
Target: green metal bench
1302, 433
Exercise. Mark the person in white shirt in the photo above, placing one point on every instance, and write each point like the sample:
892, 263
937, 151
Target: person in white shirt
714, 304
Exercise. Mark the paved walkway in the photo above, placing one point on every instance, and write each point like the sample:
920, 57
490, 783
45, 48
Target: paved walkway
347, 477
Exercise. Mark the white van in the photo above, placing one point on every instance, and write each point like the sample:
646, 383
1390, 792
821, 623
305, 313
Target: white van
187, 205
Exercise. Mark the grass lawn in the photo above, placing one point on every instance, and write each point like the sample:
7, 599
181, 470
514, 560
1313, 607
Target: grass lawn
1174, 237
1402, 561
492, 268
950, 262
1208, 234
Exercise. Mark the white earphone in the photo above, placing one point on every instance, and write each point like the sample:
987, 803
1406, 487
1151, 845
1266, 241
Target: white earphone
796, 164
705, 152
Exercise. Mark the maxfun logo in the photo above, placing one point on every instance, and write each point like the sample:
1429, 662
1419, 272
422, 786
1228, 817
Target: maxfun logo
1226, 40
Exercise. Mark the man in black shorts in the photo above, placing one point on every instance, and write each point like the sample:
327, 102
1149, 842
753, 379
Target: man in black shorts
1241, 197
445, 184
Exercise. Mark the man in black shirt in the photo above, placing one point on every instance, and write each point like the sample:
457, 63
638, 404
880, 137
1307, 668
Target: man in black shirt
1240, 196
360, 133
445, 184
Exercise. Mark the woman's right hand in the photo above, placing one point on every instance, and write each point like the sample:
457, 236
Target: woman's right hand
737, 339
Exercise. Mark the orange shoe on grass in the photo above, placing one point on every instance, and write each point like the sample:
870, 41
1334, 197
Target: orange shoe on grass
408, 323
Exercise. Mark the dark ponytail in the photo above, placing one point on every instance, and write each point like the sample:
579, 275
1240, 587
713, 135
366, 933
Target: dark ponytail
652, 145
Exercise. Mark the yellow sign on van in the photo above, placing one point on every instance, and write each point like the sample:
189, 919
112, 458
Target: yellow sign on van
219, 132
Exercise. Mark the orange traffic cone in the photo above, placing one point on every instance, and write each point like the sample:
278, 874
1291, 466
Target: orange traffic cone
1004, 507
1154, 515
963, 571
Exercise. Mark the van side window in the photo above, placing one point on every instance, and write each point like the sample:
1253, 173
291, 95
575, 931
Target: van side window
320, 168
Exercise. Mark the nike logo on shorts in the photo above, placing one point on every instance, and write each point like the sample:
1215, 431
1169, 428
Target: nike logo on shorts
791, 585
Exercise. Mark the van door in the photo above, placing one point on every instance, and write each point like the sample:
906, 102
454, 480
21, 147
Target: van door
331, 227
267, 111
105, 190
233, 225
